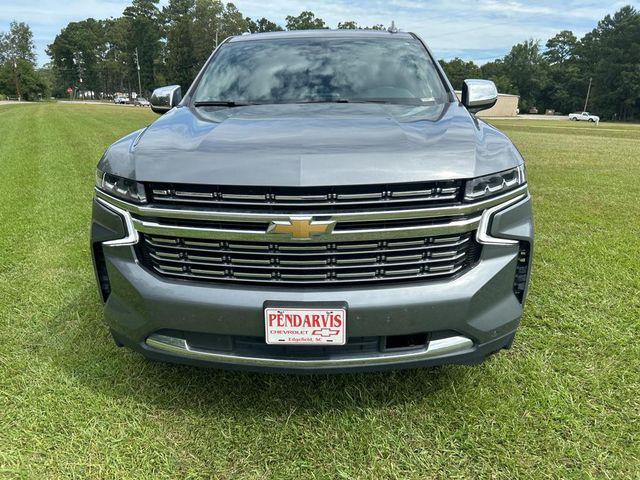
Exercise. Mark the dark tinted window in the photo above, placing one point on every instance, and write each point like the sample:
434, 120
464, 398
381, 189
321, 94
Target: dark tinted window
316, 69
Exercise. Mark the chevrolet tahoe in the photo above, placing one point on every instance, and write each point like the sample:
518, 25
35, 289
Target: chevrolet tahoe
317, 201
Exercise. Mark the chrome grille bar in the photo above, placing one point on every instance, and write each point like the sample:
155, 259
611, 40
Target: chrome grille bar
315, 250
300, 264
458, 226
365, 196
365, 277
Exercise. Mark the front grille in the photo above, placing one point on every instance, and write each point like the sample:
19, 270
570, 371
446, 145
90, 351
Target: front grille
423, 258
309, 199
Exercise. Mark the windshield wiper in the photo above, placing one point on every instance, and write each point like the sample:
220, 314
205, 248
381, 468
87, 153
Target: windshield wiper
322, 100
221, 103
398, 101
341, 100
231, 103
395, 101
355, 100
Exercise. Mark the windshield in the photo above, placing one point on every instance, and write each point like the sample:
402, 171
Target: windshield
394, 70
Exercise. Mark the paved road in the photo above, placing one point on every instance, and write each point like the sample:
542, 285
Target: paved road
95, 102
74, 102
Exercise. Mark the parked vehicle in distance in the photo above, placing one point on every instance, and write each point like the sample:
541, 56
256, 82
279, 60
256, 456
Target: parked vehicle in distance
141, 102
318, 201
584, 116
120, 100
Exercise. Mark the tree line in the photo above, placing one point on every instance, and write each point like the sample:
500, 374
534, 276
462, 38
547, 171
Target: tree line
149, 46
557, 77
166, 45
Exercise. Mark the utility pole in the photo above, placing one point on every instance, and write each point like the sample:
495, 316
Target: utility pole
588, 92
138, 67
17, 80
77, 60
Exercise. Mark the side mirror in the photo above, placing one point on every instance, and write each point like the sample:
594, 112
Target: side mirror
479, 95
164, 99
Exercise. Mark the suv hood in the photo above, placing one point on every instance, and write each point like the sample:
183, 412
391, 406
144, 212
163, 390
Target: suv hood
312, 144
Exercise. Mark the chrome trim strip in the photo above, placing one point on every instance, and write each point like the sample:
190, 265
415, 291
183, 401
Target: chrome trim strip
359, 196
295, 198
194, 194
458, 226
483, 235
237, 196
436, 348
132, 234
456, 210
414, 193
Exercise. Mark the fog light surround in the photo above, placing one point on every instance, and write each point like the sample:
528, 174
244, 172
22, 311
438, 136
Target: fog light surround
522, 271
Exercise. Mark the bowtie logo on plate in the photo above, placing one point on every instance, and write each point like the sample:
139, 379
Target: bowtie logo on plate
326, 332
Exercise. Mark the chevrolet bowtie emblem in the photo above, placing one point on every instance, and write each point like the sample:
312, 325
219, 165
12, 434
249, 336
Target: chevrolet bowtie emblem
302, 228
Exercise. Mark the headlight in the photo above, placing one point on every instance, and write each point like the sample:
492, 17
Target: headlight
494, 184
123, 188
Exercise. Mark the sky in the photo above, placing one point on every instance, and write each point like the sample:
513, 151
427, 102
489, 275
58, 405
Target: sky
479, 30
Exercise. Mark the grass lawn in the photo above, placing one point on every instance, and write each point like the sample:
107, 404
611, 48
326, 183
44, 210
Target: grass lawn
563, 403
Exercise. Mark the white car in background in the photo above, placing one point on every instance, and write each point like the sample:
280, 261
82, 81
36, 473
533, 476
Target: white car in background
584, 116
120, 100
141, 102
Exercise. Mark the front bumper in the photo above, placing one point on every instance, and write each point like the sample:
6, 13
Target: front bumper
468, 317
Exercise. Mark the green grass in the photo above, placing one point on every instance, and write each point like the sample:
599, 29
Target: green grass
563, 403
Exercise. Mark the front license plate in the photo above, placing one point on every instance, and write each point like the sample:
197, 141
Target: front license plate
305, 326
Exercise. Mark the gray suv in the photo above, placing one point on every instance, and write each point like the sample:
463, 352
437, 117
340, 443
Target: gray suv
317, 201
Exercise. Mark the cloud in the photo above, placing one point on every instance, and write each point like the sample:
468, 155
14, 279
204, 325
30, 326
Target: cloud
511, 7
47, 17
